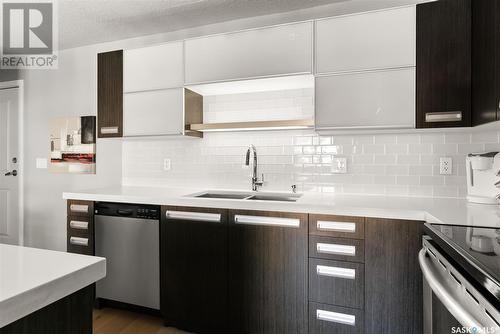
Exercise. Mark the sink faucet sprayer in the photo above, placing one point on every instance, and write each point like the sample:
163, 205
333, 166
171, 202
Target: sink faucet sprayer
255, 180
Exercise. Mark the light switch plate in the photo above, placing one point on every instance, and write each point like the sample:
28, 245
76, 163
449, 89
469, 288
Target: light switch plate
41, 163
445, 165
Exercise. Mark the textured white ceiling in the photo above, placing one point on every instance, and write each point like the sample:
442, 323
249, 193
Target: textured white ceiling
84, 22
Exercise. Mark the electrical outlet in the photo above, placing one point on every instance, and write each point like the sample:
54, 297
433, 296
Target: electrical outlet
166, 164
445, 166
339, 165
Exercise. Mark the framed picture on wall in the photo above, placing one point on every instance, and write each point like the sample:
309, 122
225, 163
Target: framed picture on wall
73, 145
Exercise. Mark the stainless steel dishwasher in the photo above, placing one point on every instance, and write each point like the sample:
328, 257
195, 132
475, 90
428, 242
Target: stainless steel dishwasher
127, 235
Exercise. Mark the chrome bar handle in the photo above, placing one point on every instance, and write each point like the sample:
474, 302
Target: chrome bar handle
194, 216
79, 241
336, 226
81, 208
336, 249
339, 318
79, 225
453, 306
266, 221
336, 272
449, 116
109, 130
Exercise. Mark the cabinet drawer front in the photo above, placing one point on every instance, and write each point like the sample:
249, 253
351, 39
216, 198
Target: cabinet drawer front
80, 208
372, 41
270, 51
80, 226
327, 319
337, 249
337, 226
159, 112
368, 100
336, 283
80, 245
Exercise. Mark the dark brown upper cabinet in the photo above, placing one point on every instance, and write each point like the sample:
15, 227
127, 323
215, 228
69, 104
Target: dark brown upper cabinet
444, 89
110, 94
486, 64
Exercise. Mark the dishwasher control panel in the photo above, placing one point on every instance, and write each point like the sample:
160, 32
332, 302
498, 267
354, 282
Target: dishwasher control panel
127, 210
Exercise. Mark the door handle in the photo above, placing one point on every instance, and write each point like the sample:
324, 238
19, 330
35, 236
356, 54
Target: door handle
13, 173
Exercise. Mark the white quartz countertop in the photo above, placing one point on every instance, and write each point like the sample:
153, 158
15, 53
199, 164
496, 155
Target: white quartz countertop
31, 278
433, 210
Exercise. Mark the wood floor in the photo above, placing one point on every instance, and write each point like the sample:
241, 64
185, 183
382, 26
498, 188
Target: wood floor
113, 321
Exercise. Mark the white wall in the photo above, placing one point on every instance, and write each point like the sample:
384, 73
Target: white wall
68, 91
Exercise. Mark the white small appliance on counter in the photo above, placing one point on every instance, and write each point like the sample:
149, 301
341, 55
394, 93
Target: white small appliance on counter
483, 177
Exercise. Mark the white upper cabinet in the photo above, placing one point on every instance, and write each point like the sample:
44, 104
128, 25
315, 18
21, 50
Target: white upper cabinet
153, 113
366, 100
155, 67
272, 51
372, 40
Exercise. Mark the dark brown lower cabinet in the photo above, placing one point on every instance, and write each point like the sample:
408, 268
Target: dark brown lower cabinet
69, 315
194, 269
267, 272
257, 272
80, 227
393, 284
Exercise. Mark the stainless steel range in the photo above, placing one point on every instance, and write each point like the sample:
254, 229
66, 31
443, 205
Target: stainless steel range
461, 269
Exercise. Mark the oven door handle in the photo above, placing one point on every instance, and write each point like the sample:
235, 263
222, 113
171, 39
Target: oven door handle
460, 313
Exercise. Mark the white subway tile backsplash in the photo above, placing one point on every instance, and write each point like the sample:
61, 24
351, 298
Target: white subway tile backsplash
484, 137
408, 180
408, 159
420, 170
457, 138
408, 139
432, 180
431, 138
373, 149
445, 149
385, 159
470, 148
396, 149
381, 164
420, 148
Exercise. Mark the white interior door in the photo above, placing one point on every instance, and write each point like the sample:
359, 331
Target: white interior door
9, 159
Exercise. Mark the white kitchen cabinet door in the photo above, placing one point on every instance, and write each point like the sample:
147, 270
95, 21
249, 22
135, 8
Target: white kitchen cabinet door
272, 51
153, 113
384, 99
155, 67
372, 40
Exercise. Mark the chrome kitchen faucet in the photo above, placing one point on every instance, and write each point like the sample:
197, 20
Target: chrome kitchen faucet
256, 183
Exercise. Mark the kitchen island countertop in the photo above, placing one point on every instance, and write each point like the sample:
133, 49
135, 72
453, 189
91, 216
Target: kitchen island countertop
31, 278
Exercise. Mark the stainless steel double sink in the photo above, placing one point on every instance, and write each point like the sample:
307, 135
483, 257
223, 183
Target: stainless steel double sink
246, 196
